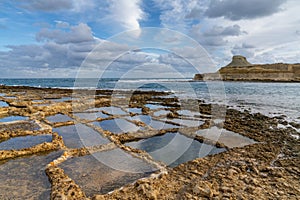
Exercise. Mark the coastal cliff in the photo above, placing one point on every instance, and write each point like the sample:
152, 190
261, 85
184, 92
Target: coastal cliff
241, 70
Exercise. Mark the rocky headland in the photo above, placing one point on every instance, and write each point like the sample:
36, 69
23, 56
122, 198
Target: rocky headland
241, 70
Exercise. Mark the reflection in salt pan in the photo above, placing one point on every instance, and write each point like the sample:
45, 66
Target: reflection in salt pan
114, 110
25, 178
91, 115
24, 142
13, 118
188, 123
174, 149
103, 172
229, 138
117, 125
153, 123
3, 104
161, 112
79, 135
58, 118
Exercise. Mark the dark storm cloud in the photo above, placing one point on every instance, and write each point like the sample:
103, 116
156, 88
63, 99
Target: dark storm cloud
243, 9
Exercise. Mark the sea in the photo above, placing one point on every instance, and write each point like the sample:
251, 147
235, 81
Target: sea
269, 98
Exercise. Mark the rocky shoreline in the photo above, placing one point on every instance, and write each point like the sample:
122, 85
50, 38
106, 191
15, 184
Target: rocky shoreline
267, 168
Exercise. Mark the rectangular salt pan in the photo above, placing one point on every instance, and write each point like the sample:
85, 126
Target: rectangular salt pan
154, 106
24, 142
25, 178
79, 135
58, 118
117, 126
61, 99
3, 104
186, 122
135, 110
174, 149
114, 110
13, 118
229, 138
103, 172
158, 125
91, 116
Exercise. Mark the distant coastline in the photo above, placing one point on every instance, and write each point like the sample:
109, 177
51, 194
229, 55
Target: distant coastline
241, 70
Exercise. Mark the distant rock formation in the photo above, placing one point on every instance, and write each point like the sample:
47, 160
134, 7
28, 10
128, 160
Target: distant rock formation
238, 61
241, 70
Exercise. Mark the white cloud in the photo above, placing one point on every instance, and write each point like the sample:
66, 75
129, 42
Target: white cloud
77, 34
268, 34
274, 37
241, 9
57, 5
58, 49
126, 12
178, 14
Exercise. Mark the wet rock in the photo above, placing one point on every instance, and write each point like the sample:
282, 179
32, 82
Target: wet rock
268, 169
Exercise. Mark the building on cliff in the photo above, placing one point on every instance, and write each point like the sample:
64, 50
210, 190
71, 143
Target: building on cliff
239, 69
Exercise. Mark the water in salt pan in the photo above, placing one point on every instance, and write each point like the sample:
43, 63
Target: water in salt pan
186, 122
188, 113
3, 104
38, 101
135, 110
114, 110
79, 135
154, 106
117, 126
161, 112
105, 171
153, 123
10, 97
25, 178
174, 149
92, 116
59, 118
23, 125
24, 142
12, 118
61, 99
229, 138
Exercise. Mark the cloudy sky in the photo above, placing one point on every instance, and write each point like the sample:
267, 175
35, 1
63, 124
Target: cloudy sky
59, 38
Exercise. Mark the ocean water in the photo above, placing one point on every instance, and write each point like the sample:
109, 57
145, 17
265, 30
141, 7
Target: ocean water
265, 97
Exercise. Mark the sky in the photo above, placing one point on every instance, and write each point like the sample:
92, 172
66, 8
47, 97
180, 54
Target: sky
92, 38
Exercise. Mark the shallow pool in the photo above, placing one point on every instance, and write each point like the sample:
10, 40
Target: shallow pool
25, 178
12, 118
24, 142
158, 125
91, 115
174, 148
114, 110
79, 135
117, 126
229, 138
3, 104
59, 118
103, 172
